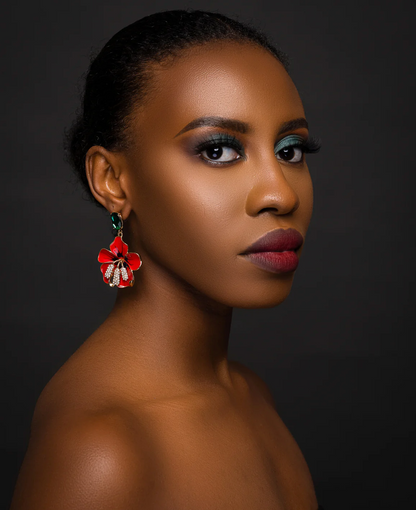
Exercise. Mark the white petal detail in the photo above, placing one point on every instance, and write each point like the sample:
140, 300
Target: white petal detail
109, 271
124, 274
116, 276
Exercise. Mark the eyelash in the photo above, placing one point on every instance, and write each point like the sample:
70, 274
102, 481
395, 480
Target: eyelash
309, 145
220, 140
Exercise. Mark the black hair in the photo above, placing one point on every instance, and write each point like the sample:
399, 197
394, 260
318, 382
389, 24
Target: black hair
119, 76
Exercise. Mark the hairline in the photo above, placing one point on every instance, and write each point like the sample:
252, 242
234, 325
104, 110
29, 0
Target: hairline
155, 66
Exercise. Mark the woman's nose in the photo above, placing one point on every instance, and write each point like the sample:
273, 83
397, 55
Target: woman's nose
271, 190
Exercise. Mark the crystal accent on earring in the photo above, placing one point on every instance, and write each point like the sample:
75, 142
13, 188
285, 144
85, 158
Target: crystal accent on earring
124, 274
116, 276
117, 221
109, 271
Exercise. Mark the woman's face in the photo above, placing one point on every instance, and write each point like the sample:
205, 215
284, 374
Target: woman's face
215, 165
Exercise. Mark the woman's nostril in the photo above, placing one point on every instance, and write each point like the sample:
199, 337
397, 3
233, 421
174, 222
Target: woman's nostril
272, 210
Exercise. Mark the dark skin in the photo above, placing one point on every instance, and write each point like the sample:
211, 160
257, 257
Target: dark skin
149, 413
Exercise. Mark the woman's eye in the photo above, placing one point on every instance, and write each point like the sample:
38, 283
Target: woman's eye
290, 154
220, 153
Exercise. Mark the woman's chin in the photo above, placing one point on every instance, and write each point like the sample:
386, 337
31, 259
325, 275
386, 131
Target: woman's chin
261, 295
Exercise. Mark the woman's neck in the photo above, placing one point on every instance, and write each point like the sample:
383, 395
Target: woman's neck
173, 331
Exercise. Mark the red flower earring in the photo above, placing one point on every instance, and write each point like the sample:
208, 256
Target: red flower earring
117, 265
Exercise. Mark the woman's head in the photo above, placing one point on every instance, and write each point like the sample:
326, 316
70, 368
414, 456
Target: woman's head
208, 160
120, 76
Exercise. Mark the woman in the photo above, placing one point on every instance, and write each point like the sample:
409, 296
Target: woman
192, 135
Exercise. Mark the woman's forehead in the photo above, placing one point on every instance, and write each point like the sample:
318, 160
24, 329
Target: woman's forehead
239, 81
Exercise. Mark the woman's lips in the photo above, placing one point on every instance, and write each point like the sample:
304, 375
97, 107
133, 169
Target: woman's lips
275, 251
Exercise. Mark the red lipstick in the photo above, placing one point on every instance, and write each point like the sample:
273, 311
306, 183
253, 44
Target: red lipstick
275, 251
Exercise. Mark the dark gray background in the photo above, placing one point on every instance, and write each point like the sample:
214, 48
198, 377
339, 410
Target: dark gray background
339, 354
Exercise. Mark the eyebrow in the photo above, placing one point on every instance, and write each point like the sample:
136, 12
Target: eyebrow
219, 122
293, 124
238, 125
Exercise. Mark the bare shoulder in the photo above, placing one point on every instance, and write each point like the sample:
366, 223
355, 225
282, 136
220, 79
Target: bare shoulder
94, 461
254, 381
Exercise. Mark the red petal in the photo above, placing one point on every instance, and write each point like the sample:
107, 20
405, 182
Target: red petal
133, 260
123, 283
118, 247
106, 256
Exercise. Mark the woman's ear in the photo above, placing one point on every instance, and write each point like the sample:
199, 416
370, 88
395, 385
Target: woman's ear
104, 169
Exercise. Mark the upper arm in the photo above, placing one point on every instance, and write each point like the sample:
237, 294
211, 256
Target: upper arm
86, 464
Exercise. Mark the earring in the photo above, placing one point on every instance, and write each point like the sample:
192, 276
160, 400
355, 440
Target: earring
117, 265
